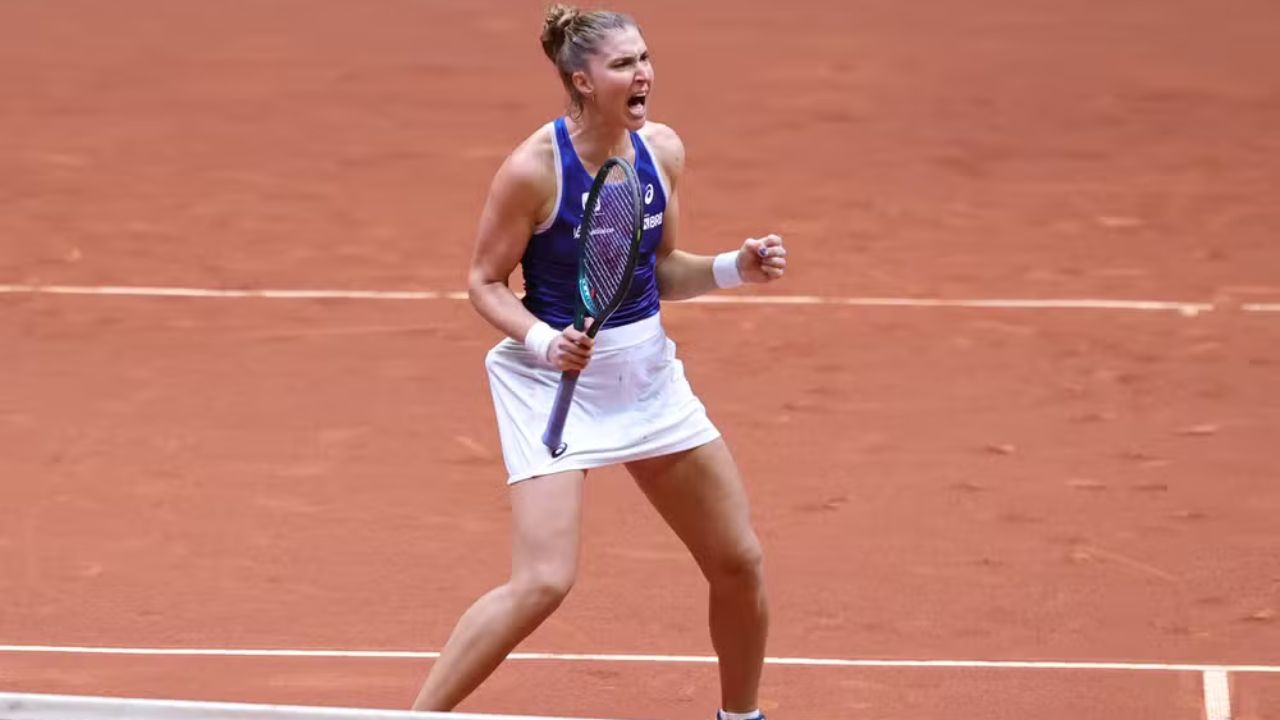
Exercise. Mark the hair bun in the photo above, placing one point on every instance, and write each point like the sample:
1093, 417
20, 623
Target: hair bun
556, 26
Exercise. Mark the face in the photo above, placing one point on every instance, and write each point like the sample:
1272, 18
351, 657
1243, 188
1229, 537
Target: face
618, 78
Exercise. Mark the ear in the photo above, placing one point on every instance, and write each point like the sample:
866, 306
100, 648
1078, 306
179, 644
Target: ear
582, 83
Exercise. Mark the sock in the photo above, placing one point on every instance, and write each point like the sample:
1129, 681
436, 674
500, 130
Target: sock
753, 715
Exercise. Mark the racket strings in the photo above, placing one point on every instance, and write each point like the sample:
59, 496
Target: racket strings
607, 246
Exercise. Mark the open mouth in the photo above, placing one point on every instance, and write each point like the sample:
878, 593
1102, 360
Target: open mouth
636, 103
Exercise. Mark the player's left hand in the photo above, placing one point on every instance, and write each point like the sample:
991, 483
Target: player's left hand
762, 260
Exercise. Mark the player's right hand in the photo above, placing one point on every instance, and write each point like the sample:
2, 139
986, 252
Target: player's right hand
572, 350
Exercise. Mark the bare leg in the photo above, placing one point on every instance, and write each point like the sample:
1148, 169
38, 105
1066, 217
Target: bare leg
700, 495
545, 515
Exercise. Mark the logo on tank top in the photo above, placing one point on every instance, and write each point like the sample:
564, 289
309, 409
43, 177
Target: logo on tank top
650, 221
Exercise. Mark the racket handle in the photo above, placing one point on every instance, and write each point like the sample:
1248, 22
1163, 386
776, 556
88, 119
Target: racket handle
559, 413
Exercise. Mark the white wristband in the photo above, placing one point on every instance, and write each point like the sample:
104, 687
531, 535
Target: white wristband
725, 270
538, 341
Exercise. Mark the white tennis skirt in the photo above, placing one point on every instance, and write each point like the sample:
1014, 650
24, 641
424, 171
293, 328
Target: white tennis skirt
632, 402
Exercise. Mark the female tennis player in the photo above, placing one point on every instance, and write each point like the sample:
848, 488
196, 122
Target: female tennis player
633, 404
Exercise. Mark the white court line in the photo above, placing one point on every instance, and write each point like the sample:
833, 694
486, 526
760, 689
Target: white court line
31, 706
1185, 308
642, 658
1217, 695
214, 293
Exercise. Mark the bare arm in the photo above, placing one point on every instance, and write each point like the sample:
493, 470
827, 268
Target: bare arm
682, 275
506, 223
516, 197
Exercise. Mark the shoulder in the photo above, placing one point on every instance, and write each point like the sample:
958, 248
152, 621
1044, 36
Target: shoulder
530, 170
667, 147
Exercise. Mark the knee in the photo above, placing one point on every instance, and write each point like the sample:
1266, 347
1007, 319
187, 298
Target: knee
739, 568
543, 589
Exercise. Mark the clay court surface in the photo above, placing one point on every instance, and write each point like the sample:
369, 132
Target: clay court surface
983, 483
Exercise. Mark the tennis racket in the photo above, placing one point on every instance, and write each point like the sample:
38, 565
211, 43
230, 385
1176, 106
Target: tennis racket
609, 237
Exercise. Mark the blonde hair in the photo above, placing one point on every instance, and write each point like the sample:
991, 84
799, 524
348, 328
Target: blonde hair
570, 35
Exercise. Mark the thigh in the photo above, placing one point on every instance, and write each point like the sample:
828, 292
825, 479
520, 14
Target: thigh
699, 493
546, 515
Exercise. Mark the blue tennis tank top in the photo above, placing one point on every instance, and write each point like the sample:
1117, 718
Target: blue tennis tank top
550, 262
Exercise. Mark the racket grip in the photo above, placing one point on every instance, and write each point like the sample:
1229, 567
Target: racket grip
552, 436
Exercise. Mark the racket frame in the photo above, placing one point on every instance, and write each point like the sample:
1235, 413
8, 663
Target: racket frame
552, 437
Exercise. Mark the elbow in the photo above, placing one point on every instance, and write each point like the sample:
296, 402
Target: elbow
663, 277
478, 280
668, 277
664, 290
479, 287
